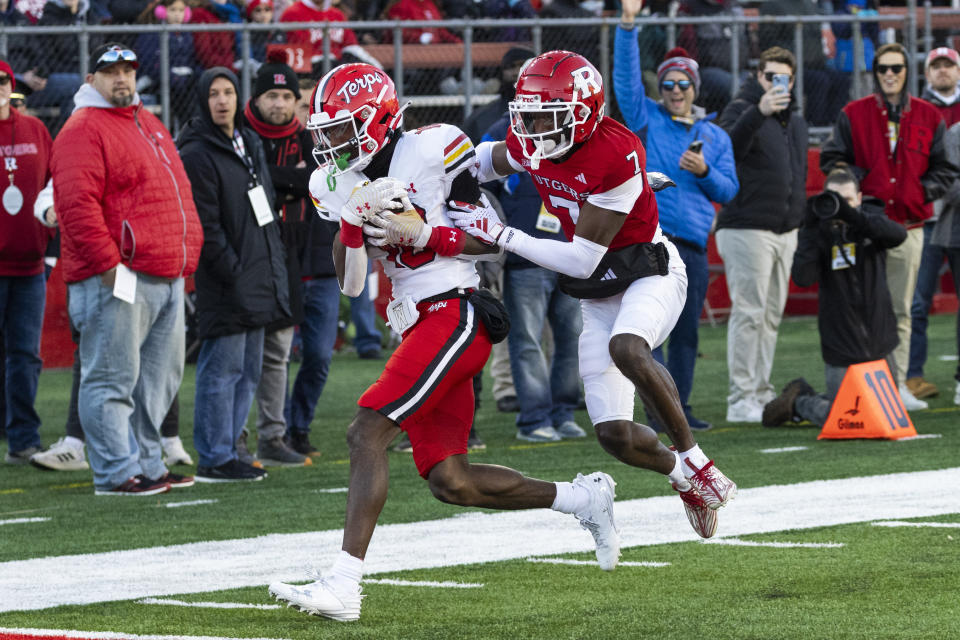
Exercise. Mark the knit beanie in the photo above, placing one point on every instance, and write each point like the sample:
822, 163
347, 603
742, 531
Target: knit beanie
677, 59
275, 75
253, 4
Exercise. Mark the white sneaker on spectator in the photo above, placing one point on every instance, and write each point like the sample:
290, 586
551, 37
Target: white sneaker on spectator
320, 598
910, 402
570, 429
173, 452
597, 518
61, 456
745, 410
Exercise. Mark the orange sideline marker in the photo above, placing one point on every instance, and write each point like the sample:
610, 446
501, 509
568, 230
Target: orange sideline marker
867, 405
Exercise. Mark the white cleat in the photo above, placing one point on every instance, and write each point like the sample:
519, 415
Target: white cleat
319, 599
597, 518
713, 487
702, 518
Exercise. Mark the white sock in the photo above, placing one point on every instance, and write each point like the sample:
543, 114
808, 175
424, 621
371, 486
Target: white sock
570, 498
676, 476
346, 572
76, 443
166, 442
696, 457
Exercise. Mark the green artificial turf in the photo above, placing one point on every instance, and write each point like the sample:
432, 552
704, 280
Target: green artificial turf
884, 583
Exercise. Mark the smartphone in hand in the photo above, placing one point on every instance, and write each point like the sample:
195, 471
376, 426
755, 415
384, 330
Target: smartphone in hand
695, 146
782, 80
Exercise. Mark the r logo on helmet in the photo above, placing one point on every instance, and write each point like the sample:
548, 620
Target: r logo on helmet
585, 83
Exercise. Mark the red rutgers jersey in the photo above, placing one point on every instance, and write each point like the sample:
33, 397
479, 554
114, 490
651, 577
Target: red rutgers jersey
610, 158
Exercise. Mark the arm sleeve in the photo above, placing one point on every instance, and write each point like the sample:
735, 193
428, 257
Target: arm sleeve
354, 271
78, 186
741, 121
883, 231
621, 198
805, 269
721, 183
838, 147
43, 202
941, 173
627, 85
577, 259
952, 143
217, 253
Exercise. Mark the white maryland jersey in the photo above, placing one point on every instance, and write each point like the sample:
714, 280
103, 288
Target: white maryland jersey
425, 160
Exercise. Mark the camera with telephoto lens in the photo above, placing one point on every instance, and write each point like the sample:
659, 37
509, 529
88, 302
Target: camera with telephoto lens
826, 205
829, 205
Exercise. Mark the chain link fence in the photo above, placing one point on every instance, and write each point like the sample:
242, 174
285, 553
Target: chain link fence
449, 77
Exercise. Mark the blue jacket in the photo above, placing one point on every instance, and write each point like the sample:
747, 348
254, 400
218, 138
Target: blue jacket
687, 211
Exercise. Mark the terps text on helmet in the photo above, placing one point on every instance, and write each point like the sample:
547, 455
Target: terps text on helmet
366, 81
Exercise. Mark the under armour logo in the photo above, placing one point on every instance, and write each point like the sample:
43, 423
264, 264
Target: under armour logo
453, 236
410, 189
11, 164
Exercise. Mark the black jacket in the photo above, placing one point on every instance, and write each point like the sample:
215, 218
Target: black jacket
242, 278
314, 234
771, 157
856, 318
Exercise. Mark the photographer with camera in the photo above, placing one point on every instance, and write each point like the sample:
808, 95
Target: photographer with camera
842, 246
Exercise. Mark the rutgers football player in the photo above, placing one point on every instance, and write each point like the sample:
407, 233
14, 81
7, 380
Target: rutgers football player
589, 170
426, 387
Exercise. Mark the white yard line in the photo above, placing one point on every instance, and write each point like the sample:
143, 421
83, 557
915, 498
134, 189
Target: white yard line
334, 490
23, 520
229, 564
424, 583
190, 503
737, 542
593, 562
920, 436
106, 635
936, 525
783, 449
207, 605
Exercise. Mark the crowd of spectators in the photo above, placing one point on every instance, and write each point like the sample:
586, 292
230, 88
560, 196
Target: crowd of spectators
265, 265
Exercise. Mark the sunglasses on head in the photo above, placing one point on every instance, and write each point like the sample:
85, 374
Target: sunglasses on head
116, 55
4, 80
769, 75
883, 68
668, 85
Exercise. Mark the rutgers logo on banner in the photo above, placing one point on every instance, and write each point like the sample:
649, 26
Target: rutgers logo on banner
585, 83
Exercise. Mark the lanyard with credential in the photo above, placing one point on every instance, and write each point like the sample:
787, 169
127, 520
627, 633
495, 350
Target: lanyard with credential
241, 150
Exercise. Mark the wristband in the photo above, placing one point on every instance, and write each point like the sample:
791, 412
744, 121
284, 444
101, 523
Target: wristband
446, 241
351, 235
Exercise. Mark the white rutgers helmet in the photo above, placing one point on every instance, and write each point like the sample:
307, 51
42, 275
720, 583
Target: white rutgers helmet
354, 113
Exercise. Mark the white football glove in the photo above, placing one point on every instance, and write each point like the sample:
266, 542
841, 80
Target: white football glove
406, 228
480, 221
371, 198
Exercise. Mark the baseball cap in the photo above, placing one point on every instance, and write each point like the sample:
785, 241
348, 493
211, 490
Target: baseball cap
111, 53
942, 52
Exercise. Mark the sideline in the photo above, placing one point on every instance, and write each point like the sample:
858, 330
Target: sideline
228, 564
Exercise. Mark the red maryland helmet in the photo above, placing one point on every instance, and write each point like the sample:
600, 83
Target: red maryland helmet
559, 102
354, 112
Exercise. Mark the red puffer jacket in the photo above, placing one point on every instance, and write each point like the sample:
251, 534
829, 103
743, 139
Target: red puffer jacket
121, 193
